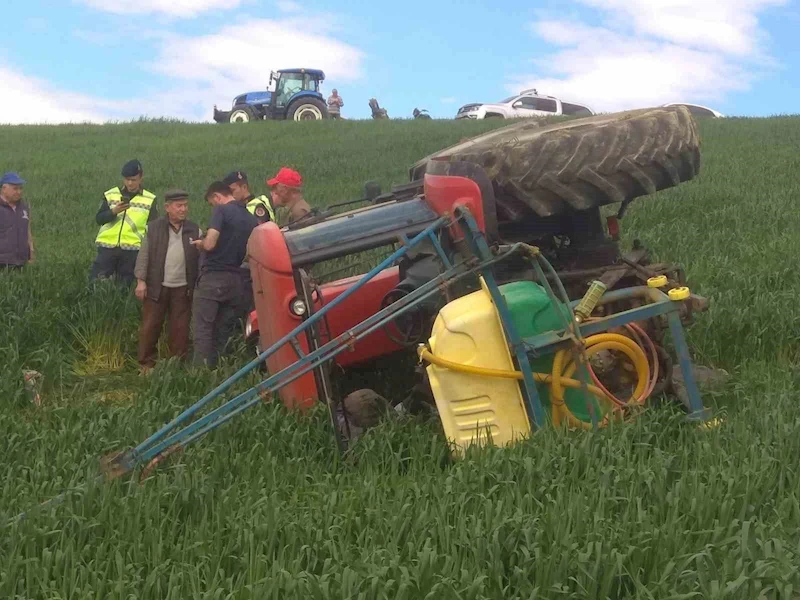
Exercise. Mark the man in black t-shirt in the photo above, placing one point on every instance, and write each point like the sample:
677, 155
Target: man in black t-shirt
220, 293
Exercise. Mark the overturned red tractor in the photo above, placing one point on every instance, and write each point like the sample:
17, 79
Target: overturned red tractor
540, 186
501, 276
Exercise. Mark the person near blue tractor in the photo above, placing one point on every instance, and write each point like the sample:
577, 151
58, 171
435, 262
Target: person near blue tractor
16, 240
335, 104
124, 215
220, 294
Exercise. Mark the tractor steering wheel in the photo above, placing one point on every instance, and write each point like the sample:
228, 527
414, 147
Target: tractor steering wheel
405, 330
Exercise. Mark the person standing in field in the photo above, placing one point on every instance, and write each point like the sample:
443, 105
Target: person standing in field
335, 104
166, 271
220, 293
261, 209
16, 240
260, 206
287, 194
123, 218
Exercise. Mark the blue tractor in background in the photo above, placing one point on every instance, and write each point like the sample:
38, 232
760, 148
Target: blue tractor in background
296, 97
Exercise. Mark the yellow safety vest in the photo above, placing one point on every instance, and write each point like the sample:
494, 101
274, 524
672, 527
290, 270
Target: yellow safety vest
256, 202
128, 229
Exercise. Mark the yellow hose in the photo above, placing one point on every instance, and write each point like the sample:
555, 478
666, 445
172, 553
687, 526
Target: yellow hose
621, 343
428, 356
562, 371
594, 344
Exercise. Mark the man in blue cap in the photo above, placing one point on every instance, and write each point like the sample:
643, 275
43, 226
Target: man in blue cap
123, 218
16, 241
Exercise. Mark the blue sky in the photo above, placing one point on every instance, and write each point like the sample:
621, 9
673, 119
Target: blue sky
75, 60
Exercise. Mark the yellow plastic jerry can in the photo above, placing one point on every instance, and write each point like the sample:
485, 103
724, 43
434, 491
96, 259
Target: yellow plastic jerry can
475, 408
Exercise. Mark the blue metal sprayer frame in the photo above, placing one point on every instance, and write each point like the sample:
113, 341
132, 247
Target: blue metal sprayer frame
481, 262
182, 430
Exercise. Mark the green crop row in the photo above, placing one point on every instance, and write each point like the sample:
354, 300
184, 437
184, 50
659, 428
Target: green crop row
265, 508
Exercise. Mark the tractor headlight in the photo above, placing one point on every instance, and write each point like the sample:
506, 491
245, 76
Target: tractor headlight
298, 307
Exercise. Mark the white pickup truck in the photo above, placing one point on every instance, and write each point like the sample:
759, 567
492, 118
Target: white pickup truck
527, 104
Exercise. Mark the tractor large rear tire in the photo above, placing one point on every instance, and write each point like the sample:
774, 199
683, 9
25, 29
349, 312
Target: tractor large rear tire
307, 109
582, 163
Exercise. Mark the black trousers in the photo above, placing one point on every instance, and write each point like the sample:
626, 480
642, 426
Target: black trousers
248, 302
114, 261
217, 307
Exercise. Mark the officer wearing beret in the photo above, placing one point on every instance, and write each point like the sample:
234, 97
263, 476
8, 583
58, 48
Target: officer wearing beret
260, 207
16, 241
123, 217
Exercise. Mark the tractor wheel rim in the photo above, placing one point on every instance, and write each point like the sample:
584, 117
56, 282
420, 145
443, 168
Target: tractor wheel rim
307, 113
239, 117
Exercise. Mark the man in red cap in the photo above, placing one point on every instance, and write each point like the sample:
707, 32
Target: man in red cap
287, 195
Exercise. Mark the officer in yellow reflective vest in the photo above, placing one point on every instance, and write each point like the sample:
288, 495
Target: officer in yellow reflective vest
123, 218
260, 207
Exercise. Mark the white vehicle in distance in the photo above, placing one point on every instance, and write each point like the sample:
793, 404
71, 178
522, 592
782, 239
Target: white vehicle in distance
698, 110
527, 104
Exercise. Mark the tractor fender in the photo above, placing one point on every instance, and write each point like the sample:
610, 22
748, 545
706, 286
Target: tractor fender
304, 95
478, 175
273, 290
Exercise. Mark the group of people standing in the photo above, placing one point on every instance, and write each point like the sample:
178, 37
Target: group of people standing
195, 281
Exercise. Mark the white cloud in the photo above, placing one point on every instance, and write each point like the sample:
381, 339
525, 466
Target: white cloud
239, 58
288, 6
647, 53
199, 71
28, 100
729, 26
173, 8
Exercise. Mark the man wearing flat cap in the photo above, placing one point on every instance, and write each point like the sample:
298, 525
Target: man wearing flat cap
123, 217
287, 195
16, 241
166, 271
260, 207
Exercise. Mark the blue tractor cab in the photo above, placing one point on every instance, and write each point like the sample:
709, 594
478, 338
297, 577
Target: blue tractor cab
292, 94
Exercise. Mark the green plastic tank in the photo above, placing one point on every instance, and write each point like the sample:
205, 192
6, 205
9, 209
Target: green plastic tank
532, 313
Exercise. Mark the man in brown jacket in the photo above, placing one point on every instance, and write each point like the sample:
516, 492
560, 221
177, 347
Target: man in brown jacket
166, 271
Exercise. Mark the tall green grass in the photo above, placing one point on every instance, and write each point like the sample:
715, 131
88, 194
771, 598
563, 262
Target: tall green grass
264, 507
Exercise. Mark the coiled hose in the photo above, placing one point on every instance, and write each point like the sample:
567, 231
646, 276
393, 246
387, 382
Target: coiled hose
561, 376
564, 367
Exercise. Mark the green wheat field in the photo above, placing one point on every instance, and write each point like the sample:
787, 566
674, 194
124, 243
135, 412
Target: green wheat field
264, 507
